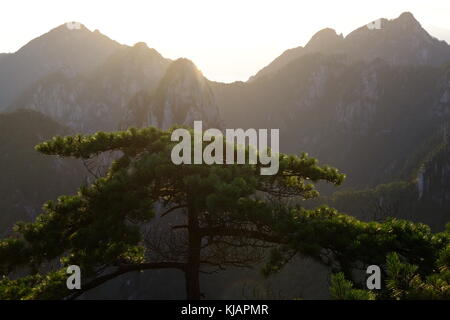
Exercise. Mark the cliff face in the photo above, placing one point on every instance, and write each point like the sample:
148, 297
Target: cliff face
117, 93
98, 100
433, 180
399, 42
183, 96
365, 118
362, 103
72, 52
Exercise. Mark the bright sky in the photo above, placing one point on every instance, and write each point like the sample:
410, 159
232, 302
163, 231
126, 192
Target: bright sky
228, 40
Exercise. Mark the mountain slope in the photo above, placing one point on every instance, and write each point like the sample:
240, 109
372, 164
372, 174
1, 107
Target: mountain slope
97, 100
400, 41
28, 178
115, 94
365, 118
72, 52
183, 96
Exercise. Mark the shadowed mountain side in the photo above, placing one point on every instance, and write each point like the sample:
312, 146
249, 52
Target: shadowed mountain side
29, 178
365, 118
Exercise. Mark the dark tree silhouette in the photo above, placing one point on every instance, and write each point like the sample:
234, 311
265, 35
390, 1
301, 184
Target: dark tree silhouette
148, 213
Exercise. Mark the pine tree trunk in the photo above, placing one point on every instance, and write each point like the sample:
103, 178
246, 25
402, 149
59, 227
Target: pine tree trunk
192, 282
193, 265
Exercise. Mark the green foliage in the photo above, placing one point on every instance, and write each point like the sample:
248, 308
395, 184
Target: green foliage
35, 287
324, 232
100, 226
398, 199
404, 281
228, 207
342, 289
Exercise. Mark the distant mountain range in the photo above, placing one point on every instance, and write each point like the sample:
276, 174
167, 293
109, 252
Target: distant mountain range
375, 104
401, 41
86, 81
60, 50
365, 103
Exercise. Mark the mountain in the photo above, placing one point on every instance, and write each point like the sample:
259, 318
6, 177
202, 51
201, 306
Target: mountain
96, 100
421, 195
110, 92
183, 95
28, 178
364, 103
69, 51
375, 104
365, 116
400, 41
3, 55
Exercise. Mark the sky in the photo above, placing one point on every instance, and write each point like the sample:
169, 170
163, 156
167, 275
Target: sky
228, 40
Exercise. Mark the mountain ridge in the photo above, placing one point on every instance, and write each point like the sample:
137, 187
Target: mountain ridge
398, 41
73, 52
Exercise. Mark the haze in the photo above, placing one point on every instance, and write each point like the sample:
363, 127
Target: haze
228, 40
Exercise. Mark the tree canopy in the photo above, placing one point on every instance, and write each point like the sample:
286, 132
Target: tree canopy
213, 216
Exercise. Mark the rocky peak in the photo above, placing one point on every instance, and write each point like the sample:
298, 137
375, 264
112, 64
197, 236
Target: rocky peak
183, 68
400, 41
182, 97
407, 18
141, 46
69, 48
324, 40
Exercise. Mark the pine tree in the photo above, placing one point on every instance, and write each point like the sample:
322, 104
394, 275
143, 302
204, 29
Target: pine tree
403, 282
219, 215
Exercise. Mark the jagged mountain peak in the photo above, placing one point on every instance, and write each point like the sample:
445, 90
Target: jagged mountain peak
97, 100
182, 73
400, 41
141, 45
184, 65
69, 34
407, 22
183, 96
183, 70
324, 39
72, 25
144, 49
402, 25
139, 53
70, 48
408, 17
